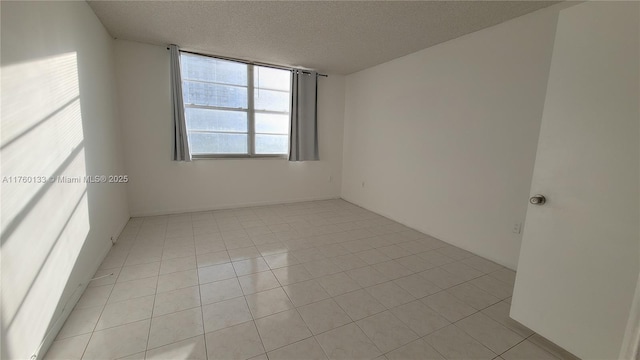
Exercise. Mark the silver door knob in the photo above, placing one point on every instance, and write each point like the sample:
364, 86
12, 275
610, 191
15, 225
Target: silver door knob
537, 199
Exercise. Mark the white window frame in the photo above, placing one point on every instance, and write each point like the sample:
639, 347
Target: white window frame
250, 110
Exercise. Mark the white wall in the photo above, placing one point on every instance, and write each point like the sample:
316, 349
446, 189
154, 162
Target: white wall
445, 139
159, 185
58, 118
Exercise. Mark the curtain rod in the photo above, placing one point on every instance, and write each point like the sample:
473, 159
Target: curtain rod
251, 62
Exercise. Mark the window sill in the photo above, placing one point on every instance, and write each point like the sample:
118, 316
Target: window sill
237, 157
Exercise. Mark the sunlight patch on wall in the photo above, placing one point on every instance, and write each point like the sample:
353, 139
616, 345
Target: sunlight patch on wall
41, 121
45, 215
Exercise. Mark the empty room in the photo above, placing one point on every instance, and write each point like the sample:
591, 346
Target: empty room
315, 180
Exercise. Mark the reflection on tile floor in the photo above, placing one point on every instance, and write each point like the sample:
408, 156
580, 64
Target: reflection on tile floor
313, 280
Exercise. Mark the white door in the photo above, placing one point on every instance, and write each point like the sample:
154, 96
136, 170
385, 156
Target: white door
580, 252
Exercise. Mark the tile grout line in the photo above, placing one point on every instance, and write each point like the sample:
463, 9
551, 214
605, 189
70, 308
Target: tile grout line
244, 296
109, 296
329, 242
254, 319
370, 339
156, 291
204, 337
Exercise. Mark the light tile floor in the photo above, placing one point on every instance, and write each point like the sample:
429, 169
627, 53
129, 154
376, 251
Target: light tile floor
313, 280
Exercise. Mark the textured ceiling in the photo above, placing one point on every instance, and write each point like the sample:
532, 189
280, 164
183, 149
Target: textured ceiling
331, 36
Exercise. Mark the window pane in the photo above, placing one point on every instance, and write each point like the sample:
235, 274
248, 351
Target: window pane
272, 144
216, 120
216, 97
271, 100
215, 143
272, 123
270, 78
196, 93
203, 68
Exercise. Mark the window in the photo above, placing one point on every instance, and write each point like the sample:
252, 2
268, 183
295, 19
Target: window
235, 109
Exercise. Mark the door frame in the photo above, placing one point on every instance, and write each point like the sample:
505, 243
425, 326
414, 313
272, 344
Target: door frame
631, 343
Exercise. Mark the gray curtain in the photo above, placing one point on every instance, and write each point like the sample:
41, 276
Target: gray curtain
181, 151
303, 142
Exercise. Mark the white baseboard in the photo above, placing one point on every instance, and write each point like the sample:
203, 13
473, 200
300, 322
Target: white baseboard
229, 206
426, 232
51, 334
116, 235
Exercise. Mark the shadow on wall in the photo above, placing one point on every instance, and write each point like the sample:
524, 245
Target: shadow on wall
45, 213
